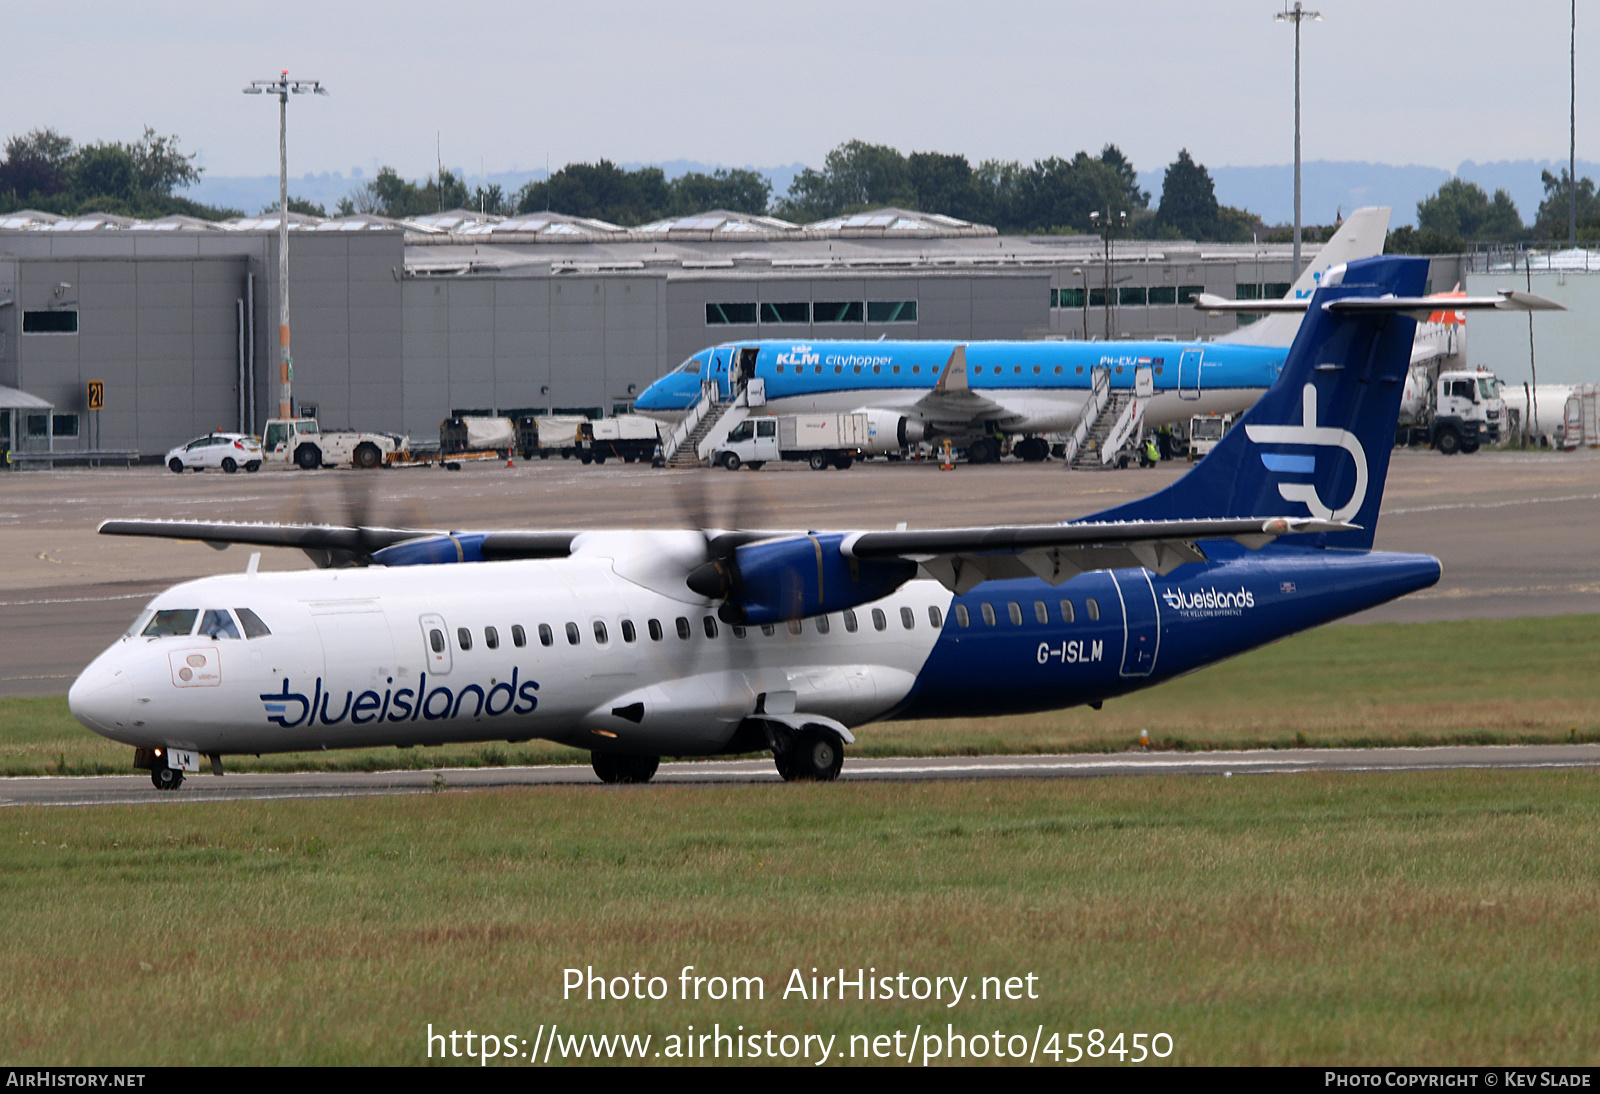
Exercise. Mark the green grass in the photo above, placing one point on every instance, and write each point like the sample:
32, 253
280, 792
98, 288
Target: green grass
1478, 682
1434, 918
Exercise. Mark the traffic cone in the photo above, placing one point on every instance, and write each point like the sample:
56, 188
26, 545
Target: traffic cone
948, 463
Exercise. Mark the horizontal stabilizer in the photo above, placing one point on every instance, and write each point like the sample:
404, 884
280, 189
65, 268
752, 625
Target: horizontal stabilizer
1417, 307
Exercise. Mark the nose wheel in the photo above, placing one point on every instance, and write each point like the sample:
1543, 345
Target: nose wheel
612, 767
166, 778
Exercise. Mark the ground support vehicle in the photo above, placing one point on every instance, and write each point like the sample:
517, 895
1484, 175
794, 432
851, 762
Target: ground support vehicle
1455, 411
820, 440
627, 437
546, 435
469, 435
1205, 430
304, 444
226, 451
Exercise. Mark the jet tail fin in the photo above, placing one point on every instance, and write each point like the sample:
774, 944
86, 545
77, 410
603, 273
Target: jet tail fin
1360, 236
1320, 437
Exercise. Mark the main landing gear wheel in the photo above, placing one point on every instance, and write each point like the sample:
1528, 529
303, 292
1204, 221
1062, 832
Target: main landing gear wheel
812, 755
1033, 450
614, 768
983, 450
166, 778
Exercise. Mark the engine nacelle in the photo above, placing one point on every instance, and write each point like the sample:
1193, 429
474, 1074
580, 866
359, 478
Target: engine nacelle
786, 579
888, 431
433, 550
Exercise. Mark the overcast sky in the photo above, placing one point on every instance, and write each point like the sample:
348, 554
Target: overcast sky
509, 85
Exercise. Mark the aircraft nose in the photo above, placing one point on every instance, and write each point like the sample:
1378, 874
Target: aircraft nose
101, 698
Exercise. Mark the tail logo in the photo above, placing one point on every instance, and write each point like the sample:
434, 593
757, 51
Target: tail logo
1316, 436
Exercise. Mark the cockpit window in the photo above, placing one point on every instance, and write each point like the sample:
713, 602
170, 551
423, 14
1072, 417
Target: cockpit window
253, 627
690, 367
138, 624
171, 621
217, 623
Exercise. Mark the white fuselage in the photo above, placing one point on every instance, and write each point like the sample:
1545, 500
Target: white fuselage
405, 656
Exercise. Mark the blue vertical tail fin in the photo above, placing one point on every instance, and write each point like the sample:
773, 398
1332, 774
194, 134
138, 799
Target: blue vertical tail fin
1318, 442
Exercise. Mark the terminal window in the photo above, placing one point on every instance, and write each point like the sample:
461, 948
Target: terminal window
786, 313
1163, 294
723, 314
891, 311
64, 425
50, 322
1071, 298
1187, 293
1131, 296
846, 311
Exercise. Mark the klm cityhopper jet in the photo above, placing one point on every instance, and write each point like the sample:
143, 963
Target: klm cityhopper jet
633, 645
911, 393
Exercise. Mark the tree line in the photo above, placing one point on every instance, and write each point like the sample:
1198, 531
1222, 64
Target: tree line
46, 170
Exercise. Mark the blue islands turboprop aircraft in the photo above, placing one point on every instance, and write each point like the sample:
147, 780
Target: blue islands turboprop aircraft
633, 645
917, 391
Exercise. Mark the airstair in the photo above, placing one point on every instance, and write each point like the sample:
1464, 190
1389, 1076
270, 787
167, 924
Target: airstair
707, 422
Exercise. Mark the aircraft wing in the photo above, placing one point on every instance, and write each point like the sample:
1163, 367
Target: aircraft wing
336, 545
953, 400
963, 558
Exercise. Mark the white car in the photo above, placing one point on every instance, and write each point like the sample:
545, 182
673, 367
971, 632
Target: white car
229, 451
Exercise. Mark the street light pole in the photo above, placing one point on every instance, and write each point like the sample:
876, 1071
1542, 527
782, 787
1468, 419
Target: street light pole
1107, 222
283, 87
1297, 16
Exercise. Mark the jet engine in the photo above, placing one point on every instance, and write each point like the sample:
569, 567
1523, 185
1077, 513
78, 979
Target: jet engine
889, 431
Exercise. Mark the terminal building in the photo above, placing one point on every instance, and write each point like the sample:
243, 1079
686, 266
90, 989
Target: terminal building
397, 324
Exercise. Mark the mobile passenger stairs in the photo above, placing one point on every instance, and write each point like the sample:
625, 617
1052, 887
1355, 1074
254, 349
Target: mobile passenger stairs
1112, 423
710, 420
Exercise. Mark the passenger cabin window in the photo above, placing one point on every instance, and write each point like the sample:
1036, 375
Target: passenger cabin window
962, 618
794, 627
519, 637
628, 633
768, 629
710, 622
822, 624
546, 636
1040, 612
988, 614
217, 623
684, 630
1066, 611
1093, 606
934, 618
572, 634
655, 630
879, 621
1014, 610
491, 638
908, 618
600, 635
738, 631
850, 620
436, 640
464, 638
172, 621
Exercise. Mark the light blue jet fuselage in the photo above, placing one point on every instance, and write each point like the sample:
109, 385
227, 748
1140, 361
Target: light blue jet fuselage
1032, 387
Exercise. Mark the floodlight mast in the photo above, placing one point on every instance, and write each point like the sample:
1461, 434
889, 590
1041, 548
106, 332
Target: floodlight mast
283, 87
1297, 15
